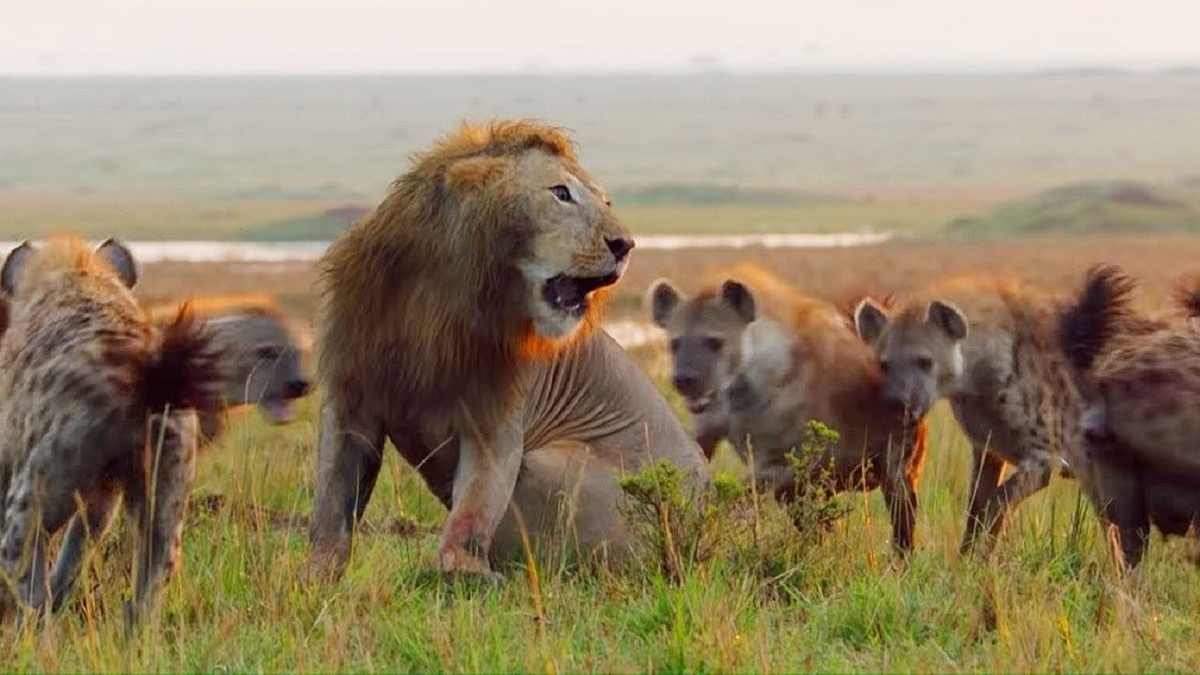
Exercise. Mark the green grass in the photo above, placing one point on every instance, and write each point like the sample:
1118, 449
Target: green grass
1102, 207
1050, 600
144, 218
309, 220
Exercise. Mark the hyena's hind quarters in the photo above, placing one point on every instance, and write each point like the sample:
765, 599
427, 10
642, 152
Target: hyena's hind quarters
181, 381
1089, 323
186, 369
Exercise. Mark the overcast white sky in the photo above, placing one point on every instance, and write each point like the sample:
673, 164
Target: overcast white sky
304, 36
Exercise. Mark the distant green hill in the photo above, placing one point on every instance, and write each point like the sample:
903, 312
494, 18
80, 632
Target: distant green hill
1090, 208
318, 227
328, 224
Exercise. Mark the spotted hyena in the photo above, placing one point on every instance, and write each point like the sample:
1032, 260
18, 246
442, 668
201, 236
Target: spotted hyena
704, 334
95, 402
990, 347
1140, 377
261, 359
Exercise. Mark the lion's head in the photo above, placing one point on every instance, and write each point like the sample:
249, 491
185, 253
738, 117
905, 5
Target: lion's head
495, 247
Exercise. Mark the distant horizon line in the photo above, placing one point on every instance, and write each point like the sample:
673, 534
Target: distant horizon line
1008, 67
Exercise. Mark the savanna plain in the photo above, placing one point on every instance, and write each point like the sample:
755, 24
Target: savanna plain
908, 155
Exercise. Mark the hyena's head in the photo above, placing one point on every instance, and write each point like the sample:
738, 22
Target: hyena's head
919, 349
705, 335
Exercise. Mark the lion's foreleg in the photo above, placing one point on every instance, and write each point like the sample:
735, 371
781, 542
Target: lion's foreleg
349, 456
483, 487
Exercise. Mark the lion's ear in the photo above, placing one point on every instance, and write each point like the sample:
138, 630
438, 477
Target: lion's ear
475, 173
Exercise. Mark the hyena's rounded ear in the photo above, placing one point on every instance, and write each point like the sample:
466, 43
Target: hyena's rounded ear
14, 265
120, 259
949, 318
735, 294
869, 320
662, 299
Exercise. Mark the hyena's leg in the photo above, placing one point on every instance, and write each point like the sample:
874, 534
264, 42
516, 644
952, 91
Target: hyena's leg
1029, 478
83, 529
171, 447
711, 427
349, 456
1117, 494
35, 508
985, 479
900, 493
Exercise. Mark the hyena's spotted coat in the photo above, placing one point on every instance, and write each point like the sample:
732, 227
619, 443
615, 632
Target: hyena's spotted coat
989, 346
94, 402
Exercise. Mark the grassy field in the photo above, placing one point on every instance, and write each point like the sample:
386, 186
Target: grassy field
188, 158
769, 600
160, 219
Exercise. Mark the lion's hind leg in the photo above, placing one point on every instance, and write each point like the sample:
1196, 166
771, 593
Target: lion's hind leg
566, 504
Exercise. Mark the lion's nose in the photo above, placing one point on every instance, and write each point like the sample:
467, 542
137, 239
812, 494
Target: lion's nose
620, 247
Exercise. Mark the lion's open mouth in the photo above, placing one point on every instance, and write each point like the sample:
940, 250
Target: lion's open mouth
569, 294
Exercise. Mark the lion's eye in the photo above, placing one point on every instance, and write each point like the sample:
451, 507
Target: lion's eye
563, 194
884, 366
675, 342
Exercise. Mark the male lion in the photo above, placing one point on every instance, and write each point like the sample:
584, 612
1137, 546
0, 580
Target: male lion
460, 321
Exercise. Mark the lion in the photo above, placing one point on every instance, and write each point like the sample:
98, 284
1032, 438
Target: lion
460, 320
704, 335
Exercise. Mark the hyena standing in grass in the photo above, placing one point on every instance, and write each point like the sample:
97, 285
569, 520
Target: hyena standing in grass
261, 358
94, 402
1140, 377
989, 346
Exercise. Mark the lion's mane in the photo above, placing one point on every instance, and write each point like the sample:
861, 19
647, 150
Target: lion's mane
423, 309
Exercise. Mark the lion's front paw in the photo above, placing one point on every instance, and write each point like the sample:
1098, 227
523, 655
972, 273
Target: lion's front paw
457, 561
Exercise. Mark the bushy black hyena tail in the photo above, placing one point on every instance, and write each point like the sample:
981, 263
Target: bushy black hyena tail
185, 367
1087, 325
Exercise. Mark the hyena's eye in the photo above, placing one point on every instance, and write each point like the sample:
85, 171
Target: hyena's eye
714, 344
268, 353
674, 345
924, 363
884, 365
563, 194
